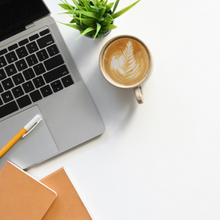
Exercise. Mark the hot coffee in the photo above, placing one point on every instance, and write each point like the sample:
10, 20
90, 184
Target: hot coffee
126, 62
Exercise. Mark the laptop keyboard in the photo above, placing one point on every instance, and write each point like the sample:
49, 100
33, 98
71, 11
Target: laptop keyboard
30, 70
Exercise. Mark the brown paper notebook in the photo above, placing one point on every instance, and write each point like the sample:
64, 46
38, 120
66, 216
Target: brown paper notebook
68, 205
21, 196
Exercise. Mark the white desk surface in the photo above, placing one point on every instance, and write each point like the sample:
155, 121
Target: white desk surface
159, 160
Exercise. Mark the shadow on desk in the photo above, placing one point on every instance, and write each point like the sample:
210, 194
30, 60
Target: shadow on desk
116, 106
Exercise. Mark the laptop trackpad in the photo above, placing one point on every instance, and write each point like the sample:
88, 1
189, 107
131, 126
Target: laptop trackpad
36, 146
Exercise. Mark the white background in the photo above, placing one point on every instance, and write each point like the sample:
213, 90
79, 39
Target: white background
159, 160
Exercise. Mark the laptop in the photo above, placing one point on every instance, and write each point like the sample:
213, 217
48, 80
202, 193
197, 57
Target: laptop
39, 76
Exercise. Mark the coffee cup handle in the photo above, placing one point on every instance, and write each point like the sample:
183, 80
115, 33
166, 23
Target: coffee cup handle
139, 94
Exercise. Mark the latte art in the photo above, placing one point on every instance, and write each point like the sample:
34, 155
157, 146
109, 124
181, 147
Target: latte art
126, 61
125, 66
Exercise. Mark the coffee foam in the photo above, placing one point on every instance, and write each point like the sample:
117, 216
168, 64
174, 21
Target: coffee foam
126, 61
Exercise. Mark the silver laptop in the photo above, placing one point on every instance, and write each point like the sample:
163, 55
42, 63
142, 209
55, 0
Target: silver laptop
38, 76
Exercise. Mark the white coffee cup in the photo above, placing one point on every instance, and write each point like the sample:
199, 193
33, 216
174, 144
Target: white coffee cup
126, 62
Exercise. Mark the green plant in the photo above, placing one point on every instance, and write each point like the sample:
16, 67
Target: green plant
93, 17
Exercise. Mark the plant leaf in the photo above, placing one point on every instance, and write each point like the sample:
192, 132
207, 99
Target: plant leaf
89, 14
77, 5
109, 6
88, 22
89, 29
68, 13
104, 3
73, 21
101, 11
66, 7
104, 24
87, 5
119, 13
115, 5
108, 18
97, 29
79, 21
94, 9
108, 27
100, 35
77, 27
96, 2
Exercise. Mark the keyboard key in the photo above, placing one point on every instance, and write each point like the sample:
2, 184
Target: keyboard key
44, 32
53, 50
45, 41
35, 96
18, 79
28, 86
1, 102
23, 42
8, 109
31, 60
21, 65
7, 96
29, 74
32, 47
21, 52
2, 62
10, 70
39, 69
11, 57
67, 81
12, 47
38, 82
17, 91
1, 89
7, 83
34, 37
56, 86
53, 62
24, 101
42, 55
4, 51
55, 74
2, 74
46, 90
